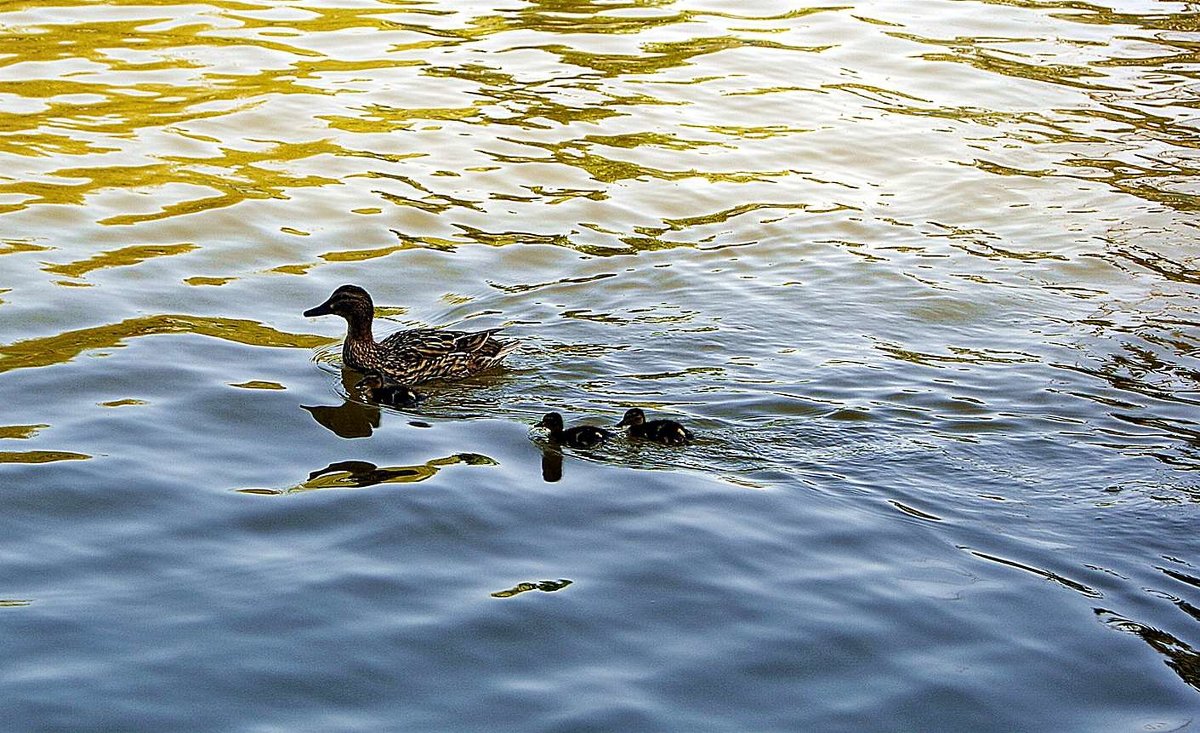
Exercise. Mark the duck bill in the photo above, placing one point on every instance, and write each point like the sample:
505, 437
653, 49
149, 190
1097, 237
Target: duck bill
540, 424
321, 310
621, 424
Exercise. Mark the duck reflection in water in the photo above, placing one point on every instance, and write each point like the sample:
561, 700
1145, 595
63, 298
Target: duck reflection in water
361, 474
350, 419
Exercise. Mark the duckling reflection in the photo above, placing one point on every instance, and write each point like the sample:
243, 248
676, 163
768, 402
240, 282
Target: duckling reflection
552, 464
350, 419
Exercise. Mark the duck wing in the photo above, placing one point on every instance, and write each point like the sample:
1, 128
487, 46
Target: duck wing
434, 343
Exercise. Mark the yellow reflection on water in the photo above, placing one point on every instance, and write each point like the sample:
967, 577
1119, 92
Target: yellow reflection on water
64, 347
123, 257
41, 456
20, 432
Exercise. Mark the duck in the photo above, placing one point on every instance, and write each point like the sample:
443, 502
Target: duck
581, 436
667, 432
381, 390
413, 356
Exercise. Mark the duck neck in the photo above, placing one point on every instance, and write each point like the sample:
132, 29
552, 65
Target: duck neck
358, 327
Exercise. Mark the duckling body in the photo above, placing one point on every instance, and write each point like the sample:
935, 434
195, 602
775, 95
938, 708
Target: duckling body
581, 436
413, 356
667, 432
381, 391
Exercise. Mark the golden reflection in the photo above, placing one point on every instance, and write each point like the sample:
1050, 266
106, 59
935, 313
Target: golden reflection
64, 347
1150, 180
361, 474
41, 456
13, 603
380, 118
259, 384
968, 51
242, 177
575, 153
124, 257
720, 217
659, 56
1092, 14
127, 402
16, 246
20, 432
214, 281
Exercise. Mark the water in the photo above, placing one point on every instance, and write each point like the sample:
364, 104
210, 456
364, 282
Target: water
921, 275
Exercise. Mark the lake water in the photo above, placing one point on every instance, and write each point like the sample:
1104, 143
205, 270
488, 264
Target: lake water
921, 275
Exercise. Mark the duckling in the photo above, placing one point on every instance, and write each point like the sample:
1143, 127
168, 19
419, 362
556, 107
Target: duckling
413, 356
581, 436
380, 390
667, 432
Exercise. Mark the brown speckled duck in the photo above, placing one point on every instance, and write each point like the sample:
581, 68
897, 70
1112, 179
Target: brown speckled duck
409, 357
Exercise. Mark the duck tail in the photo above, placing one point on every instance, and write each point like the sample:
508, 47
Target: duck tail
506, 348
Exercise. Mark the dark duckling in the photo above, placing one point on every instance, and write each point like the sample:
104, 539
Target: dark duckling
411, 356
667, 432
380, 390
582, 436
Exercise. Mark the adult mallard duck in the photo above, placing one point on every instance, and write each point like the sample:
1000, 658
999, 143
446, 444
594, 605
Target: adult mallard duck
667, 432
411, 356
581, 436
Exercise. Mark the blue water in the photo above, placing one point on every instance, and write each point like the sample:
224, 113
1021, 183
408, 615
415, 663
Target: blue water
921, 276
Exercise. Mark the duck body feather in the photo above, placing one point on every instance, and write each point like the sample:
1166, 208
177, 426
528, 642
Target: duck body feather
422, 354
580, 436
667, 432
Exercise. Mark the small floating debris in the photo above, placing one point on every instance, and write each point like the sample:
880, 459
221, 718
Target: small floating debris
259, 384
127, 402
546, 586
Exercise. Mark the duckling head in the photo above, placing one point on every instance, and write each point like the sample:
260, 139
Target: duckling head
372, 380
633, 416
350, 302
552, 421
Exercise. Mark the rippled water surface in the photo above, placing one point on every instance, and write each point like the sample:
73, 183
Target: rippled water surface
921, 275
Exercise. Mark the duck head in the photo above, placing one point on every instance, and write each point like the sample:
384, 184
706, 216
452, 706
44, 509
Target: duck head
552, 421
632, 416
371, 380
350, 302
